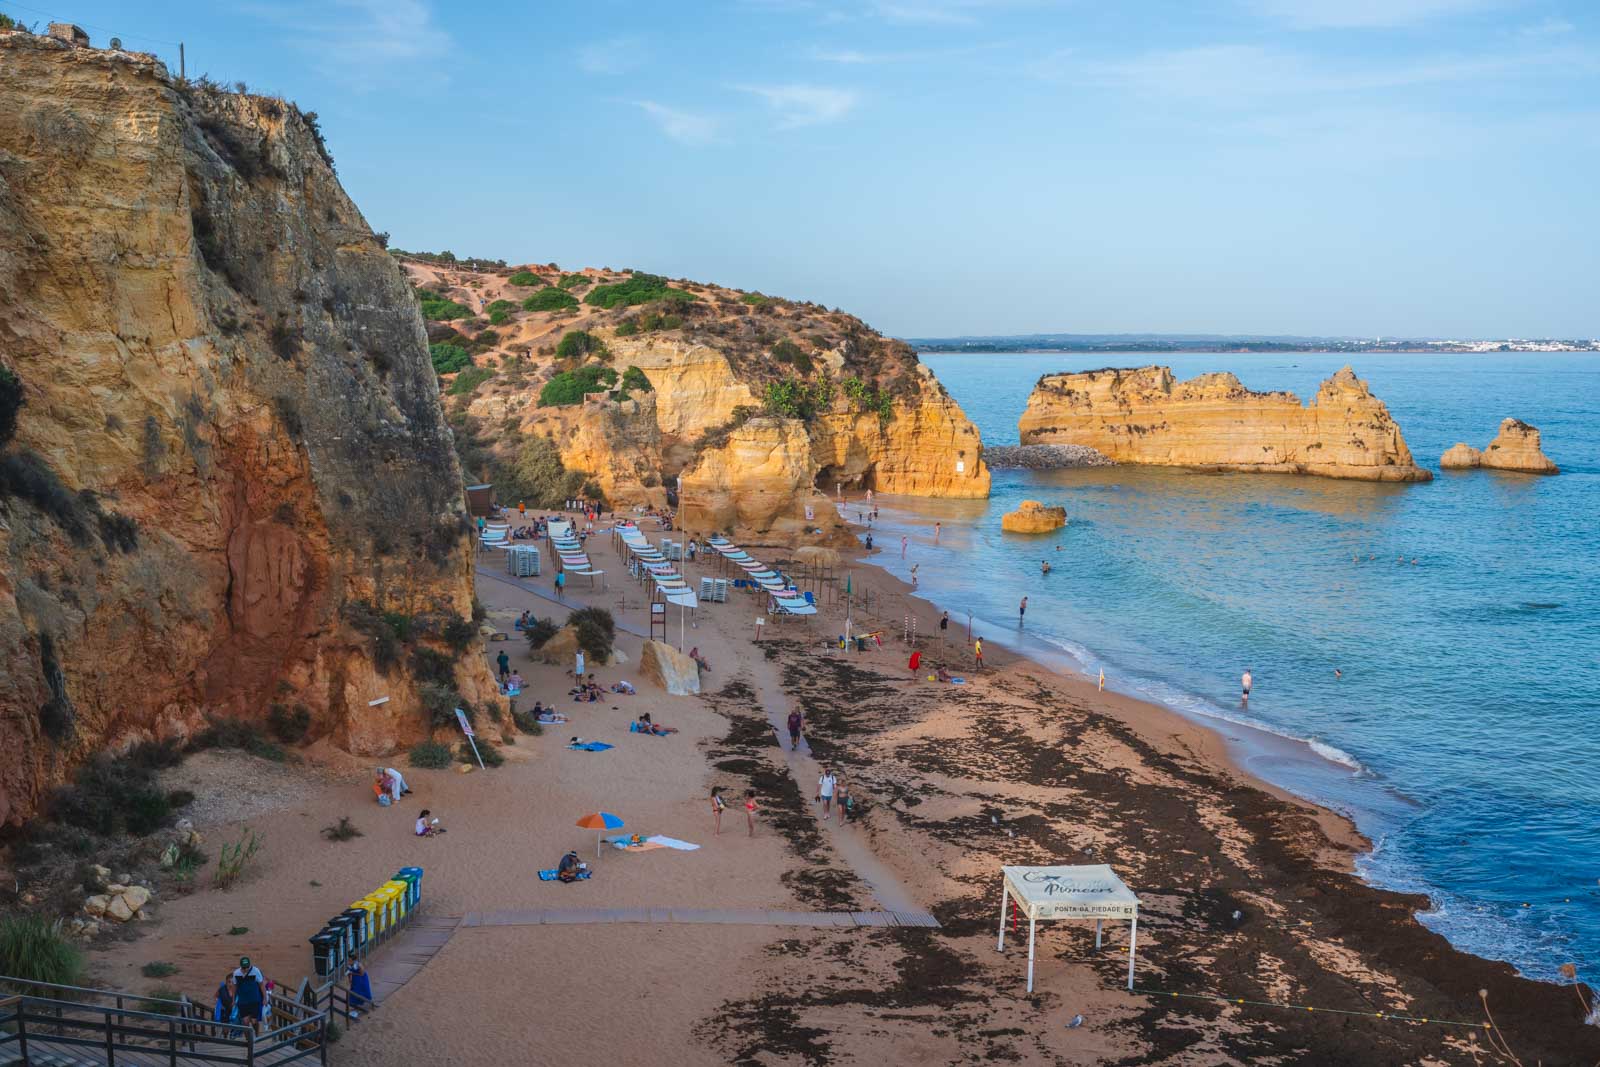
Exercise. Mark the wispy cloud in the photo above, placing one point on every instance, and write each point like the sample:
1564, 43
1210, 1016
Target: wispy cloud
617, 55
805, 105
685, 127
1363, 14
366, 44
1226, 74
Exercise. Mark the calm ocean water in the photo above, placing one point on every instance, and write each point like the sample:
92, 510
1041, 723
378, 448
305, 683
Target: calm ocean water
1464, 736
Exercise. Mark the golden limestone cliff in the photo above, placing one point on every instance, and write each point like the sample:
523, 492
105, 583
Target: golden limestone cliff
1517, 447
621, 384
229, 456
1213, 422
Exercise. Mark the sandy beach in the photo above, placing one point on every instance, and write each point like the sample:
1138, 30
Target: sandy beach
1245, 892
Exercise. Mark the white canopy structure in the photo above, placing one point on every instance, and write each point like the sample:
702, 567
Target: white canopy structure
1088, 892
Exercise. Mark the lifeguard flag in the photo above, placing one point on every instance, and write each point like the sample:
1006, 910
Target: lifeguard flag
847, 585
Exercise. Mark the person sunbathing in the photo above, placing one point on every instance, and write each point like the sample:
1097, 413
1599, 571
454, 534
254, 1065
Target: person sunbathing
516, 680
648, 727
568, 870
942, 674
623, 687
549, 716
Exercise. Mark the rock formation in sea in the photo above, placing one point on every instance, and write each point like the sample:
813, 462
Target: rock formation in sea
230, 489
1042, 457
1034, 517
1145, 415
1517, 447
626, 384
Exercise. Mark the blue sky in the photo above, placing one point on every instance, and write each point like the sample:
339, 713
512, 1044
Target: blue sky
1397, 167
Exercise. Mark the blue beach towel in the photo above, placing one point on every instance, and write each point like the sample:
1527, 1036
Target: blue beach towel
592, 746
958, 681
550, 875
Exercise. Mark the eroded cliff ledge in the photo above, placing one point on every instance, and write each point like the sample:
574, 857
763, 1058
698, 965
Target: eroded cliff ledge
1213, 422
230, 443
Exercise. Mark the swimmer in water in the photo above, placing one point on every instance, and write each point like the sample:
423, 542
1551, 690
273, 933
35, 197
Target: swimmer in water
1337, 673
1044, 568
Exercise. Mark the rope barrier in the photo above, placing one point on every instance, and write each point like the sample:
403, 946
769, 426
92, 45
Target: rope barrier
1396, 1016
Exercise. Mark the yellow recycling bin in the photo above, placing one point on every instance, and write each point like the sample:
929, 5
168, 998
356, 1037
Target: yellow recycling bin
402, 900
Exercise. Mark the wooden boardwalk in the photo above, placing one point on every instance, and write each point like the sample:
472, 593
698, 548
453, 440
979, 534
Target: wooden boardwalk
400, 960
724, 916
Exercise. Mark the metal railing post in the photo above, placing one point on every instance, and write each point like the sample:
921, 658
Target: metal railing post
111, 1046
22, 1031
172, 1043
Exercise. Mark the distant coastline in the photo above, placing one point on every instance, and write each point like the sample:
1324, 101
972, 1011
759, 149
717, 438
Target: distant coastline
1243, 343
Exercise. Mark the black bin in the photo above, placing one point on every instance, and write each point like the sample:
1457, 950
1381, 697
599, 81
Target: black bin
325, 952
861, 644
360, 920
341, 925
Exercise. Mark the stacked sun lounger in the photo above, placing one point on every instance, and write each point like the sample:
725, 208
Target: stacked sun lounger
648, 562
714, 589
522, 561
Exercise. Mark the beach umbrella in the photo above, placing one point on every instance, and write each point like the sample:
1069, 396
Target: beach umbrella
600, 822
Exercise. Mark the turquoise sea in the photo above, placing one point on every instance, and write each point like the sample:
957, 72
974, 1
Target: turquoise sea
1464, 735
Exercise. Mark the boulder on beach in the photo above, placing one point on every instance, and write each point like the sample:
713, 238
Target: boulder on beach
1034, 517
670, 669
1517, 447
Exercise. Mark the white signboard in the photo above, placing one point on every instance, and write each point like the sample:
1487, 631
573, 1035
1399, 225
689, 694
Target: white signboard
1088, 892
466, 727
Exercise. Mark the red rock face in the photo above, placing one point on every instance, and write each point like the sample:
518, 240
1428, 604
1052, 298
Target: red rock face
230, 432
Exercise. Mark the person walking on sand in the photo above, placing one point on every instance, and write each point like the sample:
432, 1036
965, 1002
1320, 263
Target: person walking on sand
750, 810
797, 723
826, 784
1022, 611
717, 807
914, 567
1102, 679
561, 583
977, 652
1245, 682
503, 661
841, 798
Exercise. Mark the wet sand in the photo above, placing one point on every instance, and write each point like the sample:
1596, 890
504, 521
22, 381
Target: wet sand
1022, 765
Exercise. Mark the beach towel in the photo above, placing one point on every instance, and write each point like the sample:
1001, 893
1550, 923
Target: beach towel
636, 728
958, 681
672, 842
643, 846
592, 746
551, 875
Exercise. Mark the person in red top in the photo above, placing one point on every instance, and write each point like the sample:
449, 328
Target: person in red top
750, 809
916, 661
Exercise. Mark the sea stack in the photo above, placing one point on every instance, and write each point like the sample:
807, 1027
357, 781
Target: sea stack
1032, 517
1212, 422
1517, 447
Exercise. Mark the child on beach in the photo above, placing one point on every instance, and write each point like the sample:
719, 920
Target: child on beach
750, 809
426, 828
977, 652
717, 807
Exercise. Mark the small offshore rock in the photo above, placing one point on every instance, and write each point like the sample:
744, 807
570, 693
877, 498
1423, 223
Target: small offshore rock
1042, 457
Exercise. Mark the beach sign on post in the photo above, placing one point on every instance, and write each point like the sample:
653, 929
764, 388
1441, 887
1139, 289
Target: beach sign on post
1092, 891
466, 728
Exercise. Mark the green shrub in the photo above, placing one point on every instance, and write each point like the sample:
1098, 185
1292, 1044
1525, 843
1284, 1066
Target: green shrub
468, 380
794, 399
540, 633
34, 949
460, 633
551, 299
575, 344
570, 387
448, 358
239, 734
430, 755
431, 665
238, 931
787, 351
755, 299
527, 723
597, 631
26, 476
501, 305
111, 797
159, 969
486, 749
499, 317
289, 726
869, 398
438, 308
572, 281
627, 327
439, 704
525, 278
638, 289
236, 859
11, 401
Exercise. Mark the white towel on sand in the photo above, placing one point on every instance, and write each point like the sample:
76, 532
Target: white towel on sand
672, 842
